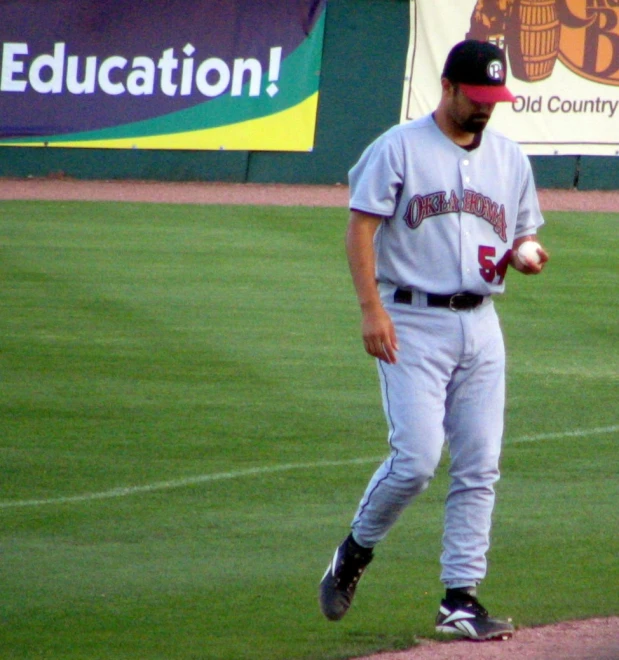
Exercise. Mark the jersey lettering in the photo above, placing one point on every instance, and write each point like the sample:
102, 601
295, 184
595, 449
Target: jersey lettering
427, 206
483, 207
421, 207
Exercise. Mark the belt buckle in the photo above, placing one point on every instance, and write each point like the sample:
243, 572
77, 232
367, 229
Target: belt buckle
453, 301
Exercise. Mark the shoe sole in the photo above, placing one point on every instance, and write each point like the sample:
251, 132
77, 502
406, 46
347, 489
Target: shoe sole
498, 635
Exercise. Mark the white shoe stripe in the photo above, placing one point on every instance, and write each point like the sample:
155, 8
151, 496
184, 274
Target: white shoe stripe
331, 566
467, 629
458, 615
334, 562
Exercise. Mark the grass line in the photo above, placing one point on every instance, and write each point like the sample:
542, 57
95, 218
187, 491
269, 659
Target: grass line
269, 469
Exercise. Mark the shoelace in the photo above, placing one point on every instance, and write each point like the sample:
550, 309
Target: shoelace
350, 571
474, 606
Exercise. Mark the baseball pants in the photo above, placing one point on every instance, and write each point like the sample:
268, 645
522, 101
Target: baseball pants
448, 385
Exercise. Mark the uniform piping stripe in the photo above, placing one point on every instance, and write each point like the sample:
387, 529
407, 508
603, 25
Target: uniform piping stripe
258, 471
394, 452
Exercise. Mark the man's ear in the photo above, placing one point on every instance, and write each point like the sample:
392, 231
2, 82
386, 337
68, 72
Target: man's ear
447, 86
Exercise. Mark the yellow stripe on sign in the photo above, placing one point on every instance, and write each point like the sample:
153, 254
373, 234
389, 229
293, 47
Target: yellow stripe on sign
289, 130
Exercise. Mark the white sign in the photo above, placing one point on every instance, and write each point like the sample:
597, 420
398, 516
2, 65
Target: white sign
563, 68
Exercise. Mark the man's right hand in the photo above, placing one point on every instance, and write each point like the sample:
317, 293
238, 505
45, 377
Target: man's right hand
378, 333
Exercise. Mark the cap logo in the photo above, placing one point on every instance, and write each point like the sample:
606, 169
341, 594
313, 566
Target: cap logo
495, 70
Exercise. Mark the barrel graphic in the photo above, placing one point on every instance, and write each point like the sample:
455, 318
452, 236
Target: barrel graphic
533, 39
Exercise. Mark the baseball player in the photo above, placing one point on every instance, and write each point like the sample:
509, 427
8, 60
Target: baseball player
438, 208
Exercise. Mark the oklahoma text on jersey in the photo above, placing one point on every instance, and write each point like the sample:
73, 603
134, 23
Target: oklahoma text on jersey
421, 207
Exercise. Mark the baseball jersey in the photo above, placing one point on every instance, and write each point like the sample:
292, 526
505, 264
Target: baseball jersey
450, 216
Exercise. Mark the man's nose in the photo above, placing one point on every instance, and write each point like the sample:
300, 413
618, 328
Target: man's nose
486, 108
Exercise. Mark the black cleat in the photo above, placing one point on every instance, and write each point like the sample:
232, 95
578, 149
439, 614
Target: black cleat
338, 584
466, 617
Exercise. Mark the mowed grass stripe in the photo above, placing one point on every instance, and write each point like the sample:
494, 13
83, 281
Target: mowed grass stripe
125, 491
147, 344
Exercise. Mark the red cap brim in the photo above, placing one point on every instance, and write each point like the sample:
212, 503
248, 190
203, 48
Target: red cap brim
487, 93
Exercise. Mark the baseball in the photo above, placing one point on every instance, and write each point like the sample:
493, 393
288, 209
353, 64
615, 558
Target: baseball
528, 252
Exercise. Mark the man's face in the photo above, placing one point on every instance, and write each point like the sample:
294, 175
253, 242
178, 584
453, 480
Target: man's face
469, 116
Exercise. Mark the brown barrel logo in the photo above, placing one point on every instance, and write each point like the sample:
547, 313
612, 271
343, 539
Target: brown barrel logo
590, 38
582, 34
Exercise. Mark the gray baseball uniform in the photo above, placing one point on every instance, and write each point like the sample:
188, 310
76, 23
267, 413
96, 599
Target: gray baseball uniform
450, 217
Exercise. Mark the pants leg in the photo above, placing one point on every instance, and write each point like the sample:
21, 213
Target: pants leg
413, 392
474, 427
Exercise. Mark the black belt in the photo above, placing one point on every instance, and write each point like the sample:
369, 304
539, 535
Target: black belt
455, 301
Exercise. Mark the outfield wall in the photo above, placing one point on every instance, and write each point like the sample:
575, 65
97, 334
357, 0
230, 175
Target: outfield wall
364, 57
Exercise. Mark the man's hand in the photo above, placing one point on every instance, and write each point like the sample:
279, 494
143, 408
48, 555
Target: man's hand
378, 333
376, 326
530, 267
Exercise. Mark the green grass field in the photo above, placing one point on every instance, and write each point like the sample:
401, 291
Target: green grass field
189, 421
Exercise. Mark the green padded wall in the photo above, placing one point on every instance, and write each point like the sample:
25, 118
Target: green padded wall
361, 87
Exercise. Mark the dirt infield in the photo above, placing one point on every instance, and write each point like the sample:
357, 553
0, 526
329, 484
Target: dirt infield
250, 193
594, 639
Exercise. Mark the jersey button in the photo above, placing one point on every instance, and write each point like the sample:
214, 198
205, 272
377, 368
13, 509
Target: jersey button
465, 162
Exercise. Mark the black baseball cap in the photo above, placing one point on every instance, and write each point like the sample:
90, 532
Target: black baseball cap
480, 69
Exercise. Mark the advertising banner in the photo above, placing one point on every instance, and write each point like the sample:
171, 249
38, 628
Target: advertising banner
563, 61
167, 74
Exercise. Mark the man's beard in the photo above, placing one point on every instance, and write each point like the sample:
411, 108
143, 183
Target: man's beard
475, 123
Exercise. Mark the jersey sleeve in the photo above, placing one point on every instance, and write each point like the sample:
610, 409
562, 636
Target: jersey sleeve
376, 179
530, 217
